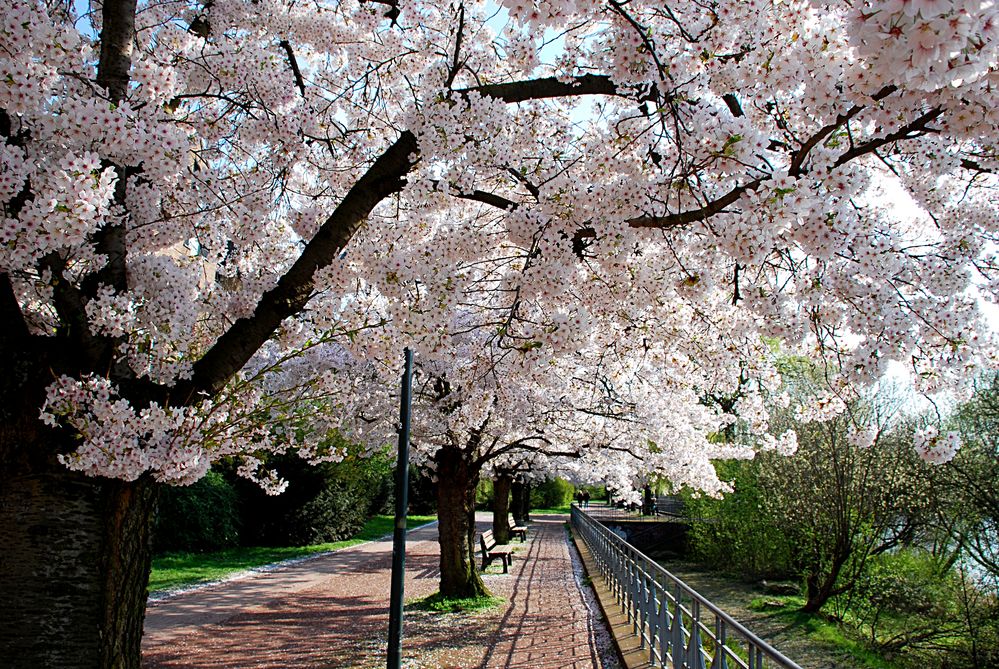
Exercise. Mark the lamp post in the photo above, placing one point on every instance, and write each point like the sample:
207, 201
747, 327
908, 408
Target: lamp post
401, 504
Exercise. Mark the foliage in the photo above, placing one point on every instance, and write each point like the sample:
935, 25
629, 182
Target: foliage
734, 534
484, 494
970, 485
552, 494
422, 492
218, 213
201, 517
438, 603
323, 503
174, 570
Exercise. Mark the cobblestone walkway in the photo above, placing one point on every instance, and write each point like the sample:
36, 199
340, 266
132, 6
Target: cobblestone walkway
333, 612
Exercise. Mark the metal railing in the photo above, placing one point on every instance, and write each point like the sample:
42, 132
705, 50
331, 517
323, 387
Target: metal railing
667, 505
678, 627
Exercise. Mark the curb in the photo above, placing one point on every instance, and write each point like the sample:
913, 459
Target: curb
622, 631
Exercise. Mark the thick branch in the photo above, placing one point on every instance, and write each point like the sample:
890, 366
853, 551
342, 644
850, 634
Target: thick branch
975, 166
802, 153
234, 348
538, 89
117, 37
70, 304
11, 316
492, 199
917, 125
693, 215
294, 66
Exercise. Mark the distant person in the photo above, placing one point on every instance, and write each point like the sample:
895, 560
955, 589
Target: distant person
586, 499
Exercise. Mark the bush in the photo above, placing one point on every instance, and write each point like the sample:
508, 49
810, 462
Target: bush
203, 516
323, 503
735, 534
552, 494
484, 495
909, 609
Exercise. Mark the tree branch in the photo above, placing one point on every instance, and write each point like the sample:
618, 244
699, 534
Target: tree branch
235, 347
799, 157
294, 66
917, 125
15, 327
550, 87
693, 215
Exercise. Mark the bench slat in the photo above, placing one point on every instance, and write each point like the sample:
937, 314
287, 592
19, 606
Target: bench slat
491, 550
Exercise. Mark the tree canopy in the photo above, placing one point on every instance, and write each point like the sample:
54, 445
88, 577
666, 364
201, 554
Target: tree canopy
223, 219
196, 193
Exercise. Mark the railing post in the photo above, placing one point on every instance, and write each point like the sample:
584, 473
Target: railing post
653, 598
695, 650
663, 624
676, 640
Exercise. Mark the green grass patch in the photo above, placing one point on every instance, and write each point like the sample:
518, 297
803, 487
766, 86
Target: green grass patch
174, 570
550, 511
440, 604
819, 628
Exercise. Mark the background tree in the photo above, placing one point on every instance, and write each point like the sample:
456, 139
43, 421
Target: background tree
971, 482
840, 503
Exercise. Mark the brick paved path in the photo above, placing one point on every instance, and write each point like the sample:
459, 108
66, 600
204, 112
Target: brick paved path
333, 612
547, 625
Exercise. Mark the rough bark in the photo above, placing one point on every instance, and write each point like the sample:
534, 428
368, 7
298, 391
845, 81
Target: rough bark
501, 508
456, 483
75, 562
117, 39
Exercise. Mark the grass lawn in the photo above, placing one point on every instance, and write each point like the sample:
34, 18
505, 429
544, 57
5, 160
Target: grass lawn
819, 628
546, 512
440, 604
172, 570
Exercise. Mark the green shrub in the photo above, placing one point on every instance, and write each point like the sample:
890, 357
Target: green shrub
735, 534
422, 493
552, 494
200, 517
484, 495
323, 503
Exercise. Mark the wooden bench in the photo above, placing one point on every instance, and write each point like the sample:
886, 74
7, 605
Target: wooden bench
491, 550
517, 530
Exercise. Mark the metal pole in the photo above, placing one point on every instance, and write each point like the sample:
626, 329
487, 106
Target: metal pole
401, 503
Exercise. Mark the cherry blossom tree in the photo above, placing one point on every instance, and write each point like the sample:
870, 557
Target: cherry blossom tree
479, 410
202, 199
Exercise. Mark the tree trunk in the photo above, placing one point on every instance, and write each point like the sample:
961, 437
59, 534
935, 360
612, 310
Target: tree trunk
820, 587
74, 567
520, 494
456, 483
517, 506
501, 508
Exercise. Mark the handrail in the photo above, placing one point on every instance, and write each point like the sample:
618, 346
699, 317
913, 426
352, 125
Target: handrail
666, 614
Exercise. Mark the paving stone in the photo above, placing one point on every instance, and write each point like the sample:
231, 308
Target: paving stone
332, 611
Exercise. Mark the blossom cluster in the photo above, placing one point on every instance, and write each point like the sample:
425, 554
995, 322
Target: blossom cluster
934, 447
591, 236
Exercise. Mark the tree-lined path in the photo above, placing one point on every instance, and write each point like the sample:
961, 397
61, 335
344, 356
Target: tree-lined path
333, 612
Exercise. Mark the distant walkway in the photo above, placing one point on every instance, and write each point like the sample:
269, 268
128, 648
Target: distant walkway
333, 612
